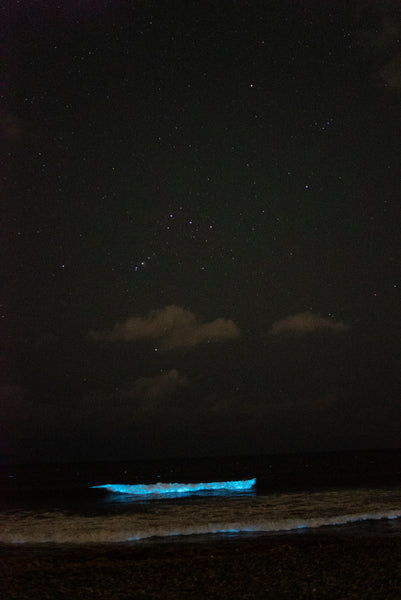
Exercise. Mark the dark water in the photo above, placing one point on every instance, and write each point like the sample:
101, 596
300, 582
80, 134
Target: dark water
359, 491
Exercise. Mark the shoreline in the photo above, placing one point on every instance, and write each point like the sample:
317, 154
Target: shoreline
288, 566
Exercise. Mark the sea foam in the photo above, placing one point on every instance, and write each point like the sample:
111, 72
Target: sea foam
60, 528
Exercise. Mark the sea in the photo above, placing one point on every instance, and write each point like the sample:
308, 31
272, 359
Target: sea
181, 499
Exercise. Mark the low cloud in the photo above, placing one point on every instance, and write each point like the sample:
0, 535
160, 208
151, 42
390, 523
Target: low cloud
379, 34
215, 404
170, 327
10, 126
159, 386
386, 41
391, 73
306, 322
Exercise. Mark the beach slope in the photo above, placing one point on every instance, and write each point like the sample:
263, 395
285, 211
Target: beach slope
272, 567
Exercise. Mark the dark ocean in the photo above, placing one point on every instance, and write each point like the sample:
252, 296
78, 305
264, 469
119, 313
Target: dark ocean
358, 492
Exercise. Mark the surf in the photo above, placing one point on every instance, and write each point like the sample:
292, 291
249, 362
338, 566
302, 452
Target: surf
58, 528
173, 489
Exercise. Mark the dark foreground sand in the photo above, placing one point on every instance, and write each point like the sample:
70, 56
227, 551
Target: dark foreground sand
291, 567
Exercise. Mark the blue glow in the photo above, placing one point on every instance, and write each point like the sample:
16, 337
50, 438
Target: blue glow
178, 488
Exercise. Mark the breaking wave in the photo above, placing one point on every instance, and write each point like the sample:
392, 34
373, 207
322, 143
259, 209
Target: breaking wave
177, 488
165, 510
63, 529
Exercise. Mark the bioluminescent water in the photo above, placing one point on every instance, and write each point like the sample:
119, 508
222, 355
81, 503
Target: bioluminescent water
178, 488
168, 520
56, 504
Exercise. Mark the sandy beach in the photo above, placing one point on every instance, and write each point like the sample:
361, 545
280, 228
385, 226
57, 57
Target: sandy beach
274, 567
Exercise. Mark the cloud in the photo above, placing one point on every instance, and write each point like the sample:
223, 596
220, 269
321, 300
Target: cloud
386, 41
391, 73
152, 388
306, 322
10, 126
379, 34
170, 327
214, 404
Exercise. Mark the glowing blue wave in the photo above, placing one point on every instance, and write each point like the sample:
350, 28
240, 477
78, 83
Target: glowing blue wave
178, 488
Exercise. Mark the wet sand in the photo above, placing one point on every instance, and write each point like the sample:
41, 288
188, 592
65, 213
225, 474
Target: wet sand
273, 567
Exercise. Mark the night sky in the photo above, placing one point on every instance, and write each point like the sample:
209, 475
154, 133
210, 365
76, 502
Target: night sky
200, 228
